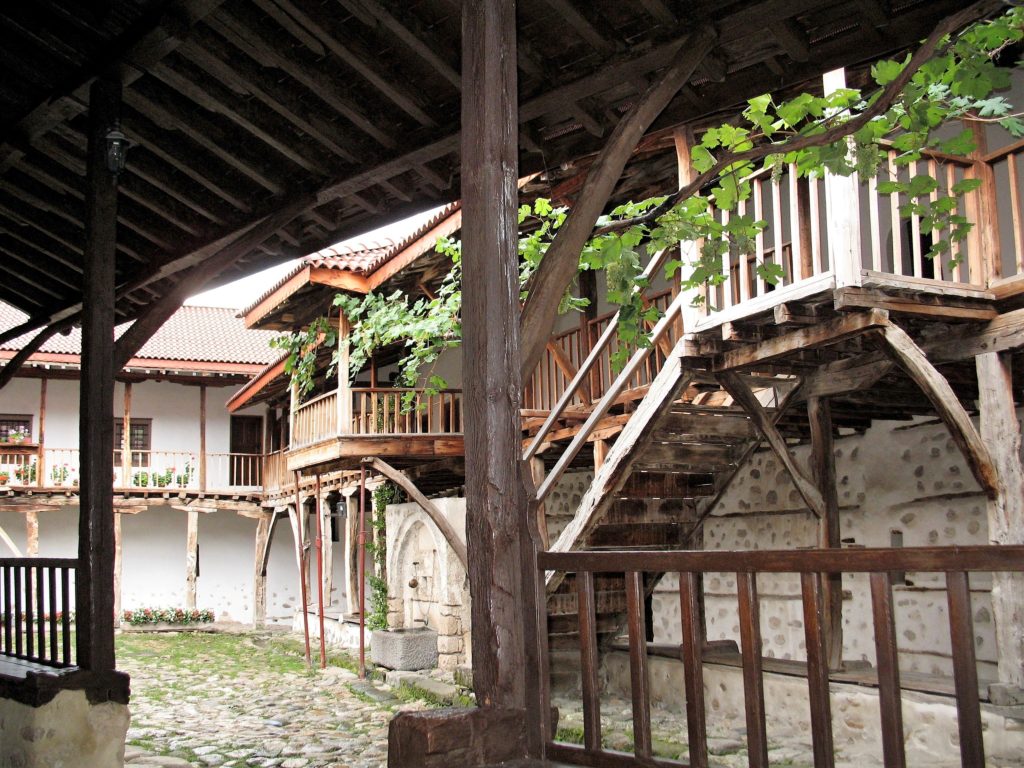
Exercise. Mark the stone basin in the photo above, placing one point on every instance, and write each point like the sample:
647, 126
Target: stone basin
404, 649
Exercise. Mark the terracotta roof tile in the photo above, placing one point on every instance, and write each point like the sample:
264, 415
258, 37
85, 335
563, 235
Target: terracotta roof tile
362, 257
193, 334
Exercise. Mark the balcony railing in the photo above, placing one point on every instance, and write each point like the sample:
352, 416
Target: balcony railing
42, 467
811, 566
36, 595
377, 411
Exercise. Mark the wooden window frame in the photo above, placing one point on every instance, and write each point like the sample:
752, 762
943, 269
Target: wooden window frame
7, 425
139, 455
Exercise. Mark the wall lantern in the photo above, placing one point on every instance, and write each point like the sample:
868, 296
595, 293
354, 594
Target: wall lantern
117, 150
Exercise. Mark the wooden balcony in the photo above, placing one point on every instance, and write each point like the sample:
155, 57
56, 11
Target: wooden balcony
38, 467
345, 425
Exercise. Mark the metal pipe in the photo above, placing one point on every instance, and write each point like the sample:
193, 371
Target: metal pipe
299, 538
320, 575
362, 571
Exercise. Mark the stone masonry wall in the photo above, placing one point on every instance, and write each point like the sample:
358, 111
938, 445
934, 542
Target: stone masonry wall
900, 483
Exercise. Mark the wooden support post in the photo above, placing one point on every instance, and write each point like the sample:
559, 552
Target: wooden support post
297, 517
591, 388
118, 568
344, 387
191, 559
31, 533
352, 554
537, 475
202, 438
842, 206
1000, 431
984, 247
502, 567
94, 584
264, 534
689, 251
327, 524
41, 434
126, 437
823, 470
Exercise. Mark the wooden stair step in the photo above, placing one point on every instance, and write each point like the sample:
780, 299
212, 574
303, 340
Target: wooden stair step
565, 603
667, 485
631, 535
665, 510
569, 624
725, 427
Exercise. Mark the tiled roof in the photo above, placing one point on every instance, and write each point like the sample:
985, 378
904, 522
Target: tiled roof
362, 257
192, 334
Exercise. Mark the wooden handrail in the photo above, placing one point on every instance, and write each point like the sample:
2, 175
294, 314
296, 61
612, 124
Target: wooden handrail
317, 399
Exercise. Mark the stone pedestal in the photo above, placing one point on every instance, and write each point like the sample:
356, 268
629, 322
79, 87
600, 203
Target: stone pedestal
66, 731
404, 649
443, 738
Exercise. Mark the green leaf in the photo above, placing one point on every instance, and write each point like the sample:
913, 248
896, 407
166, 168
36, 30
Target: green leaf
884, 72
966, 185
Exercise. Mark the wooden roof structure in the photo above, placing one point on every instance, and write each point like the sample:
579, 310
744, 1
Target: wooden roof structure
269, 129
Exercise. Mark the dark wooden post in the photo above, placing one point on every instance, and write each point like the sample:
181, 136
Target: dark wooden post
202, 441
502, 570
823, 470
94, 590
41, 435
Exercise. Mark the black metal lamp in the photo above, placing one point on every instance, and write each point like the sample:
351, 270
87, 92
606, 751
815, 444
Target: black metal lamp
117, 150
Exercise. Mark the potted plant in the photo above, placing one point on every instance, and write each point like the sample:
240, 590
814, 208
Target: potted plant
17, 436
4, 478
26, 473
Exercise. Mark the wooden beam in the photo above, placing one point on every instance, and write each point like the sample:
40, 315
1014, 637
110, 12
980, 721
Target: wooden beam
948, 307
828, 332
202, 437
118, 568
843, 376
583, 27
340, 279
264, 537
1001, 432
906, 354
745, 398
561, 262
94, 585
15, 363
1003, 334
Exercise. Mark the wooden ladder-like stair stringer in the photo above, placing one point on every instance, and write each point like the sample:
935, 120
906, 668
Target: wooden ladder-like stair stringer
687, 451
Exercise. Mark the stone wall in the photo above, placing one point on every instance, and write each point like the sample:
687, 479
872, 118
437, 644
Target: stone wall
900, 483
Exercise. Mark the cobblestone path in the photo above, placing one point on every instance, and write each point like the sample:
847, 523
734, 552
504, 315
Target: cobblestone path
247, 701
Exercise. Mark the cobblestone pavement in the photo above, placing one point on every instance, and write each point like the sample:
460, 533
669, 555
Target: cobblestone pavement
247, 701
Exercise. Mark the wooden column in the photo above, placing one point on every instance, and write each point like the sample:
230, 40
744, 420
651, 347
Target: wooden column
842, 205
502, 565
823, 470
984, 246
689, 251
126, 437
117, 569
588, 334
31, 533
94, 584
41, 434
1001, 433
328, 549
352, 553
202, 439
344, 387
191, 559
259, 581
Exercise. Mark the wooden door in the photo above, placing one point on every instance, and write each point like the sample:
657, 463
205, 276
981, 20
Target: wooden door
246, 450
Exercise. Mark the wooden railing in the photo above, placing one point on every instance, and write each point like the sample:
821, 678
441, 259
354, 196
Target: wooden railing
275, 472
1005, 168
228, 471
811, 565
315, 420
391, 411
36, 595
801, 244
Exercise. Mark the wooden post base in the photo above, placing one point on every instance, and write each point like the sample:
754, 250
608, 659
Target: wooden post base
443, 738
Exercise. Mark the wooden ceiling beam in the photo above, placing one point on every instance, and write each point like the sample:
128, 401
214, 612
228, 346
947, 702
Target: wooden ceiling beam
416, 40
51, 250
263, 50
140, 167
658, 10
356, 56
35, 280
583, 27
215, 57
201, 131
241, 114
143, 45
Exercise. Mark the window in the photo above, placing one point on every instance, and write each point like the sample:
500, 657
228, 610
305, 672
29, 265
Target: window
14, 423
140, 444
